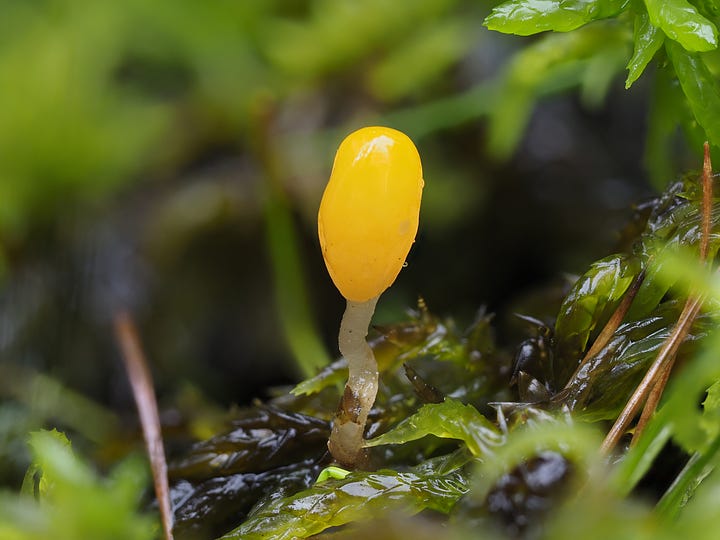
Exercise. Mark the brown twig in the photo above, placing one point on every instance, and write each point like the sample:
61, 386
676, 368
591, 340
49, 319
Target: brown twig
613, 323
669, 348
656, 393
653, 400
707, 202
651, 388
144, 394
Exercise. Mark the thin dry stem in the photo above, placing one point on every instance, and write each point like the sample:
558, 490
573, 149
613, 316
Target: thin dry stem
651, 388
144, 394
653, 400
669, 348
656, 393
707, 202
613, 323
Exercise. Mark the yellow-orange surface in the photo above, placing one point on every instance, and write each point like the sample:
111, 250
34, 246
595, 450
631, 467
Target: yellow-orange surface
369, 212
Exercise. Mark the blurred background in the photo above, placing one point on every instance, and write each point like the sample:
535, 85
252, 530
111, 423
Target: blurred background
168, 158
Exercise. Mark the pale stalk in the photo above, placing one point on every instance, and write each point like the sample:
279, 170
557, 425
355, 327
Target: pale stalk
346, 439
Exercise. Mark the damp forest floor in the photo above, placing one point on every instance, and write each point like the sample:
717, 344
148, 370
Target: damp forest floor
469, 435
548, 359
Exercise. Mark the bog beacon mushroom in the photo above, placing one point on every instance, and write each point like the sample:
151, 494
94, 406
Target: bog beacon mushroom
367, 222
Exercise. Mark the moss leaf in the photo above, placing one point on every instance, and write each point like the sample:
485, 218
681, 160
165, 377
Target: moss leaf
448, 420
360, 496
648, 39
526, 17
683, 23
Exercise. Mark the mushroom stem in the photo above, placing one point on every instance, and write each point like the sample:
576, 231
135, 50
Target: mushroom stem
346, 439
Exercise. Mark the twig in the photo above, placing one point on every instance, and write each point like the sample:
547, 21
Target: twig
609, 329
668, 349
651, 388
144, 394
707, 202
656, 393
652, 400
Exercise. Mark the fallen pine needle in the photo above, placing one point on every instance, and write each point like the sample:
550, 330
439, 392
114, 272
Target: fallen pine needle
144, 394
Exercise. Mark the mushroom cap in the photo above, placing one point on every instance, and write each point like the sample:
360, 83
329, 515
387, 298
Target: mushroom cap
369, 212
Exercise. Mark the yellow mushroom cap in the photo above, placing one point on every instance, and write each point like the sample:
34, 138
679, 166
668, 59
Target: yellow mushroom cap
369, 212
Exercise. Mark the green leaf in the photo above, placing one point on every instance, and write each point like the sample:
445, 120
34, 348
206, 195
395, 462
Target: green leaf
700, 87
261, 438
588, 306
526, 17
682, 266
711, 405
670, 247
601, 388
360, 496
681, 22
448, 420
332, 472
333, 374
648, 40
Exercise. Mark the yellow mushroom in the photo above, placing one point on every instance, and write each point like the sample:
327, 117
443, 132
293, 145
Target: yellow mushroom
369, 212
367, 222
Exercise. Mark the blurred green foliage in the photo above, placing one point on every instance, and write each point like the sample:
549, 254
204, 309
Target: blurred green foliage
64, 498
98, 99
98, 94
603, 34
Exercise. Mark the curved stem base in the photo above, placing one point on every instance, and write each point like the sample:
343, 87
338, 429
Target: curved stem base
346, 438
